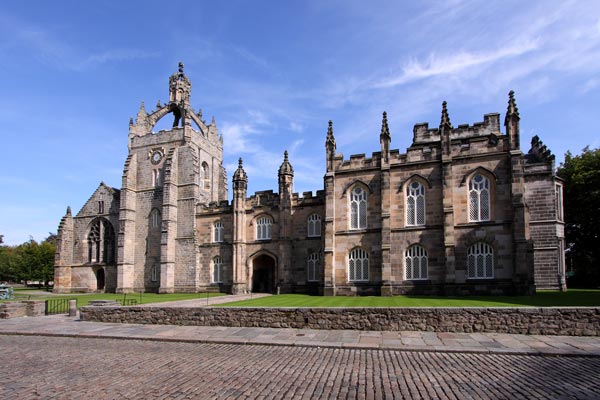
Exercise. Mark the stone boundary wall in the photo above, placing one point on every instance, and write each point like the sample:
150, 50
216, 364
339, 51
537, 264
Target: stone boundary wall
580, 321
25, 308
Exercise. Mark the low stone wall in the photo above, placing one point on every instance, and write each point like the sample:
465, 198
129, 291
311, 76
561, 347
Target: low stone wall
581, 321
26, 308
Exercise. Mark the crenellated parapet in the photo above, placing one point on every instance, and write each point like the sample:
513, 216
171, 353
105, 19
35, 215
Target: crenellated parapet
308, 199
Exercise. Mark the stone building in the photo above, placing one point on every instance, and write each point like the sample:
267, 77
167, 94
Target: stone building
463, 211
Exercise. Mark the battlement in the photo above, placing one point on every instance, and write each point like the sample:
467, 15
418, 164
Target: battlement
490, 125
263, 198
308, 199
222, 206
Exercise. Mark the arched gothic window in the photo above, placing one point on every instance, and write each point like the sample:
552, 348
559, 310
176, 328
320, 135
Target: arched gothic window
205, 176
312, 267
358, 265
415, 204
154, 273
480, 263
314, 225
101, 242
358, 208
155, 218
479, 198
263, 228
217, 270
415, 263
218, 232
156, 178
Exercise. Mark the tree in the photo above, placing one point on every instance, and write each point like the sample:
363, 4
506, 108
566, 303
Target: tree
30, 261
582, 215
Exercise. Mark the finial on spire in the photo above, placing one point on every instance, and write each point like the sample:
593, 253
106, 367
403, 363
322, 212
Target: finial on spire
180, 67
286, 168
512, 104
445, 118
330, 132
385, 130
130, 121
240, 163
69, 210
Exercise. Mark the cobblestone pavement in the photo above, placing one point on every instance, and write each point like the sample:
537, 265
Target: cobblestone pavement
75, 368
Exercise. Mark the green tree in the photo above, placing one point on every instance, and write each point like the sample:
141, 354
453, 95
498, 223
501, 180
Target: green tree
581, 174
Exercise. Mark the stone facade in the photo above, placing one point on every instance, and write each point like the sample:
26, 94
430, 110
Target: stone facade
463, 211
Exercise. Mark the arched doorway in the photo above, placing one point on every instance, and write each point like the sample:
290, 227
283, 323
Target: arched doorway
263, 274
100, 279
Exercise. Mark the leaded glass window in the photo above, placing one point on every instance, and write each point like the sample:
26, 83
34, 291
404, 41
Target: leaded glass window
217, 270
415, 204
479, 199
312, 267
155, 218
263, 228
314, 225
415, 263
480, 263
218, 232
358, 208
358, 265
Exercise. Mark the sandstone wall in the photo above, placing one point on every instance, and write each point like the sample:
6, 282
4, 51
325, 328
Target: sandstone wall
581, 321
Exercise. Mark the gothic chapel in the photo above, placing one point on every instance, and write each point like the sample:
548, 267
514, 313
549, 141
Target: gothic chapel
463, 211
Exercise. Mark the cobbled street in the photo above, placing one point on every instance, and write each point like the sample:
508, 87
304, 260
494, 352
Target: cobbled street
76, 368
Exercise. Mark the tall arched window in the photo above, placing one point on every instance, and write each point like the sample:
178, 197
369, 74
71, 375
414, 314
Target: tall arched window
314, 225
154, 273
415, 204
415, 263
480, 263
358, 265
217, 270
358, 208
312, 267
205, 176
263, 228
101, 242
156, 178
155, 218
479, 198
218, 232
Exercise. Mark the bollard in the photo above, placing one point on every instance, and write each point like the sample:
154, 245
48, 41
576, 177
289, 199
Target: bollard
72, 308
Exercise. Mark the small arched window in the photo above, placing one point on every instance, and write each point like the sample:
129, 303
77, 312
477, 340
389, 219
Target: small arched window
263, 228
479, 198
312, 267
218, 232
358, 265
415, 263
358, 208
156, 178
217, 270
415, 204
480, 263
155, 218
154, 273
205, 176
314, 225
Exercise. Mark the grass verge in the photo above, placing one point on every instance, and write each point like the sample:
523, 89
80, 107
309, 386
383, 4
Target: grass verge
572, 298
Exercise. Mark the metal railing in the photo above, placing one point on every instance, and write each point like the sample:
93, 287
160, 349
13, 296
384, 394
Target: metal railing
57, 306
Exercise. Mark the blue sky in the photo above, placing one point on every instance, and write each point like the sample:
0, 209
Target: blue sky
273, 73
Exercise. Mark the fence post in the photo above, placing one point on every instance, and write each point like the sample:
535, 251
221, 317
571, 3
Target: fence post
72, 308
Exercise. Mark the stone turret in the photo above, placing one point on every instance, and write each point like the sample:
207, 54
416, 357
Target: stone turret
240, 186
511, 122
286, 183
330, 146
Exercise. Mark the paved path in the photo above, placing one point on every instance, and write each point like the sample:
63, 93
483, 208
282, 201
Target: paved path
95, 368
61, 325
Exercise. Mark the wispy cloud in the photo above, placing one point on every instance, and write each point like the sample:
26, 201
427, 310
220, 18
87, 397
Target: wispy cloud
454, 63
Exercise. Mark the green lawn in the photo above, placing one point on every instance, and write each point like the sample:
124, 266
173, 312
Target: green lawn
574, 297
84, 299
